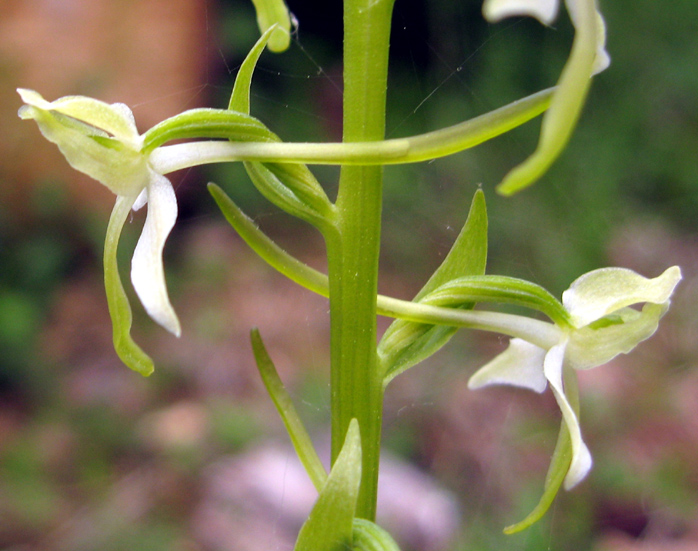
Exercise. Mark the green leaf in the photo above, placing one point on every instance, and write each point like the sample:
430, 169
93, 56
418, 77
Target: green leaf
119, 308
284, 405
240, 97
291, 187
468, 255
368, 536
405, 344
330, 524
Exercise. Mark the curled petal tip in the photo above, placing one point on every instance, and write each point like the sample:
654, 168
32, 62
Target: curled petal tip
579, 468
543, 10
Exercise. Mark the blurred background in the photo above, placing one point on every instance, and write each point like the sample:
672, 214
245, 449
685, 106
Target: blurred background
95, 457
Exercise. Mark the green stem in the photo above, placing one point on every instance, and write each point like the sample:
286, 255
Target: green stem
353, 250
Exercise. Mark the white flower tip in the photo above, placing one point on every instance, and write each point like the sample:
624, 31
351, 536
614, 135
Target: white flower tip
579, 468
543, 10
30, 97
147, 272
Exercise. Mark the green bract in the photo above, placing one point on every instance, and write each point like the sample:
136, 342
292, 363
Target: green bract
101, 140
588, 57
603, 326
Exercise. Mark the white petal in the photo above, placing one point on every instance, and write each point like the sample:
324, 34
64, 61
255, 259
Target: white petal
581, 458
521, 365
602, 292
543, 10
147, 273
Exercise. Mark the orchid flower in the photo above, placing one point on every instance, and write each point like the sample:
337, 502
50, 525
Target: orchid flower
587, 58
601, 326
101, 140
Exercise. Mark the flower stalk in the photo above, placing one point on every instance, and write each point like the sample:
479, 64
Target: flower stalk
352, 252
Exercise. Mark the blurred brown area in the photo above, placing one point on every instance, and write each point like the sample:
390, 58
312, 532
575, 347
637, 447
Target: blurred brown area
146, 54
93, 456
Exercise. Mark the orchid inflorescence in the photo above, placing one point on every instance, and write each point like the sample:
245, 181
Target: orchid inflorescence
594, 322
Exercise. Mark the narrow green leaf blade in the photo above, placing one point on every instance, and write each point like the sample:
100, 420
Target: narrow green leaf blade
269, 251
284, 405
330, 524
468, 255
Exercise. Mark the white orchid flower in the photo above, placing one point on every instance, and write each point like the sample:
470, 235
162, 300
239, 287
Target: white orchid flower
602, 325
587, 58
101, 140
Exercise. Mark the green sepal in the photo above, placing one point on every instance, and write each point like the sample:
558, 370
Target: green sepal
273, 15
284, 405
500, 289
330, 524
119, 307
405, 343
559, 464
368, 536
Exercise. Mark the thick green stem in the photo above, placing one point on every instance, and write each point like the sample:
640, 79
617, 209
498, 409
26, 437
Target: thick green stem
353, 249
